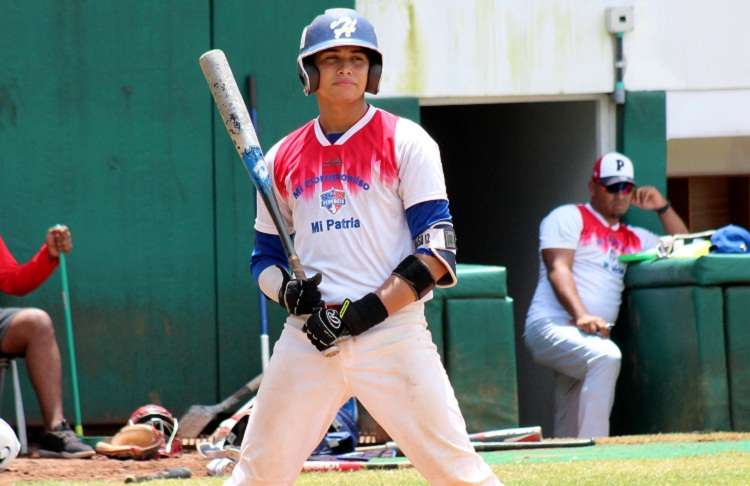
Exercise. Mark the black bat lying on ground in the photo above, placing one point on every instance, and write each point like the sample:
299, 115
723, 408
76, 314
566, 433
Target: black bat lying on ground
173, 473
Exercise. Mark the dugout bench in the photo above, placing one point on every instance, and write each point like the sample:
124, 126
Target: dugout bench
684, 331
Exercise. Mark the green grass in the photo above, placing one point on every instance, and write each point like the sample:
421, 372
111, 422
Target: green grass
726, 469
730, 468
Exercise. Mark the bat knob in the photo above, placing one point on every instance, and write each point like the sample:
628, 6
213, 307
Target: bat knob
331, 352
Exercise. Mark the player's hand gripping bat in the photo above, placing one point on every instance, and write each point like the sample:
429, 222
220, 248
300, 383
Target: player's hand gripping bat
237, 121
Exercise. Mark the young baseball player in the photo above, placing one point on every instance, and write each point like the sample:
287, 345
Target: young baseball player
578, 295
363, 192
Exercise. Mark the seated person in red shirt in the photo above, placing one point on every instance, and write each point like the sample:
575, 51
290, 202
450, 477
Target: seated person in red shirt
28, 332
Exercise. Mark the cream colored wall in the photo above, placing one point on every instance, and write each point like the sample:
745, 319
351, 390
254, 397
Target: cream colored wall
708, 156
486, 48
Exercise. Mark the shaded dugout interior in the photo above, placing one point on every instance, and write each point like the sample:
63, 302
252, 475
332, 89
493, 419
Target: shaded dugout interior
506, 166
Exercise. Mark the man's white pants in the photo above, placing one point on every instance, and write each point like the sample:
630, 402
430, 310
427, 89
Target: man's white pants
393, 369
586, 368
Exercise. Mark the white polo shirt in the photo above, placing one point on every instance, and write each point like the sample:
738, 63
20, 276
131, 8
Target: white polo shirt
597, 273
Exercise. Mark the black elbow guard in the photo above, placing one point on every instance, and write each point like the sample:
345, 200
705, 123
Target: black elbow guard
417, 274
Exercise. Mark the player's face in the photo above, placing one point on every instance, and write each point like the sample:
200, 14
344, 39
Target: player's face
612, 201
343, 73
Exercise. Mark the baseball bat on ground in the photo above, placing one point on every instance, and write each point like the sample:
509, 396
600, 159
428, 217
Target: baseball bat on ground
494, 437
351, 466
240, 128
173, 473
198, 416
519, 434
541, 444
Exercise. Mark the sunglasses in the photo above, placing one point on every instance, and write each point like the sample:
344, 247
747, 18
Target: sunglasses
623, 187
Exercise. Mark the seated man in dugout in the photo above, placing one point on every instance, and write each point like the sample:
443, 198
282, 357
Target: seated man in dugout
29, 333
579, 291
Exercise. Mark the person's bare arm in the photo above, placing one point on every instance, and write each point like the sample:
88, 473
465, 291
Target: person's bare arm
559, 263
418, 276
649, 198
395, 293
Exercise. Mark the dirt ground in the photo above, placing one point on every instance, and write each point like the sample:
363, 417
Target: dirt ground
686, 437
96, 468
102, 468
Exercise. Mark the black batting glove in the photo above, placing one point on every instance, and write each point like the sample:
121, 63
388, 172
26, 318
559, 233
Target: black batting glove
323, 327
300, 296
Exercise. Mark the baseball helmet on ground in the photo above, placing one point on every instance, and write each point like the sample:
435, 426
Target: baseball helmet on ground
338, 27
162, 420
9, 445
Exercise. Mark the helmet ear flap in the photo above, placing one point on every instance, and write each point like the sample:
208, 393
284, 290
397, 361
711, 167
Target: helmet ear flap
373, 78
309, 76
313, 76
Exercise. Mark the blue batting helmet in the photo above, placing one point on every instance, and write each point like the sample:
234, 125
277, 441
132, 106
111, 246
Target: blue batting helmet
338, 27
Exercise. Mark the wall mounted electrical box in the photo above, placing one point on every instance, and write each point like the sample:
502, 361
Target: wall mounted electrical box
619, 19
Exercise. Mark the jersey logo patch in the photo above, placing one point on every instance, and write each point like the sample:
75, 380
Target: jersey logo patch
333, 200
345, 26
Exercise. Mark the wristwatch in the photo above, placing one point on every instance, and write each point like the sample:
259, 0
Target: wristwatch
663, 209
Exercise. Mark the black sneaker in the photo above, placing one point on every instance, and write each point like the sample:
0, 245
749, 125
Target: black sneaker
62, 442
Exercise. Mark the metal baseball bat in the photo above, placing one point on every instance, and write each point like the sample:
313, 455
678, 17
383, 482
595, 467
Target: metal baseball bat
533, 433
71, 344
350, 466
173, 473
265, 348
239, 126
513, 435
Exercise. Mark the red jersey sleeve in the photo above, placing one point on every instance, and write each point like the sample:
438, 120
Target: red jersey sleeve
20, 279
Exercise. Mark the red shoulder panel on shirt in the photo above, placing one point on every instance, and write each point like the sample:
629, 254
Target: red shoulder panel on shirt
306, 163
623, 240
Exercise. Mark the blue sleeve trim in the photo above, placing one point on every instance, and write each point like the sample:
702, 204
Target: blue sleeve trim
423, 215
267, 251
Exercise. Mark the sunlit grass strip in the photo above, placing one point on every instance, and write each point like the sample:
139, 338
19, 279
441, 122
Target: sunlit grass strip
726, 469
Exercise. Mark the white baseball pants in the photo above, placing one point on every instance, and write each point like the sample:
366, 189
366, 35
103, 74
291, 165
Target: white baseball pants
586, 368
393, 369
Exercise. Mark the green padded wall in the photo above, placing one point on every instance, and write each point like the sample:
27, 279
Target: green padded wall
643, 131
474, 281
482, 370
673, 377
738, 354
713, 269
105, 126
435, 315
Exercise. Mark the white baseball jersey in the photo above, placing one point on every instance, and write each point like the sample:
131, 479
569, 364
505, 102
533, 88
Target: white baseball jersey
597, 273
345, 201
